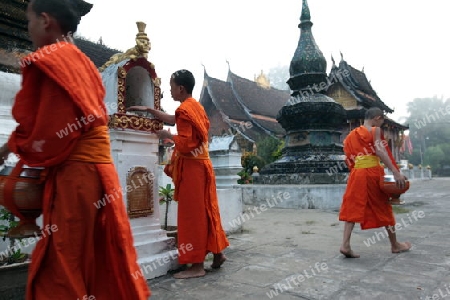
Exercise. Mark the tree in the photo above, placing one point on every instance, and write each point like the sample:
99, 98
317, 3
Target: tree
434, 157
166, 194
429, 131
269, 149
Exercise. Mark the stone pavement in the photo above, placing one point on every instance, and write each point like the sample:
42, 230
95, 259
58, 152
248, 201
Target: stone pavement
295, 254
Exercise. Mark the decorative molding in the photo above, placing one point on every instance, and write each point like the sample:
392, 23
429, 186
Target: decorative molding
123, 121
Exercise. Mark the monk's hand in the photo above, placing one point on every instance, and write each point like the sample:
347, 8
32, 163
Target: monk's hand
138, 108
400, 179
164, 134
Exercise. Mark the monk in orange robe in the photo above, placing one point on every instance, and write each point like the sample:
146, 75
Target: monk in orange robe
364, 202
62, 126
199, 224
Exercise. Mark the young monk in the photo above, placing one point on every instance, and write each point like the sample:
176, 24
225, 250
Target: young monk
199, 221
364, 202
90, 254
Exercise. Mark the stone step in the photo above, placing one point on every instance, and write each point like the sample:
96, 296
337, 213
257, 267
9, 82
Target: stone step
158, 265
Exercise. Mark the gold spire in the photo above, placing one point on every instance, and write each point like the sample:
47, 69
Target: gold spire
141, 48
262, 80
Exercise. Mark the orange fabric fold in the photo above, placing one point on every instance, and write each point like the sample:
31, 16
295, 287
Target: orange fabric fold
94, 143
199, 222
62, 126
364, 202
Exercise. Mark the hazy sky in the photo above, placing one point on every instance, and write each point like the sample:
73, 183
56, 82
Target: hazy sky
402, 45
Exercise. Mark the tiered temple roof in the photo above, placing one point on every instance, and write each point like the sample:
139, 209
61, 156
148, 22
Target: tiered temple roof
351, 88
242, 105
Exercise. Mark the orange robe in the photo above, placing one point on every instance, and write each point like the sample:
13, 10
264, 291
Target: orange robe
199, 221
364, 202
62, 126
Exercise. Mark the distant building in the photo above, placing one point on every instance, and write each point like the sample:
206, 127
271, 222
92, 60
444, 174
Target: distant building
15, 43
352, 89
243, 107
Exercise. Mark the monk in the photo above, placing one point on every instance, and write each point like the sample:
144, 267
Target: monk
199, 223
364, 202
62, 126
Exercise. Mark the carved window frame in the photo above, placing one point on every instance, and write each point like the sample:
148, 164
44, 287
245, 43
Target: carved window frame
121, 119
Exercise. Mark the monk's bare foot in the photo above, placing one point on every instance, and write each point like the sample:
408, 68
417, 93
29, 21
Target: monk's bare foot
348, 253
218, 260
196, 270
401, 247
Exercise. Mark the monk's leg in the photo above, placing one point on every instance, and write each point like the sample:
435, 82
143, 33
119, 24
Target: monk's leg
396, 247
192, 221
346, 250
219, 259
68, 269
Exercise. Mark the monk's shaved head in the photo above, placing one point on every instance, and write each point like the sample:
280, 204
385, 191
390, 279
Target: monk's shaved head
373, 112
184, 78
63, 11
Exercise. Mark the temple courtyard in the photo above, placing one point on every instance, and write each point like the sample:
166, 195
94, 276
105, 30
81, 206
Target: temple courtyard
294, 254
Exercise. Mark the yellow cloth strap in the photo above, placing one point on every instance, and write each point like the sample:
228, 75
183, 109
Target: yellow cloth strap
366, 161
93, 146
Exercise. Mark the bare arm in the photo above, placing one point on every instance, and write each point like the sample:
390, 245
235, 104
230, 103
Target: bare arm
166, 118
384, 157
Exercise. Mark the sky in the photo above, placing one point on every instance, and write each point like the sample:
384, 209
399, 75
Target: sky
402, 45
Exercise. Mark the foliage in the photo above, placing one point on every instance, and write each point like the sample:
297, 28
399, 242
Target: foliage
248, 161
5, 215
16, 255
269, 149
246, 178
429, 132
166, 194
278, 152
434, 156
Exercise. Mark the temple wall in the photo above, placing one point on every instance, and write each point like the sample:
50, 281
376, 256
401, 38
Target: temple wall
341, 96
9, 86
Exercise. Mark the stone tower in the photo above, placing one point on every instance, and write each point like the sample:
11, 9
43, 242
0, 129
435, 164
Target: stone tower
313, 153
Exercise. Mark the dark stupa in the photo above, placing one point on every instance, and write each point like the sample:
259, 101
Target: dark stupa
313, 151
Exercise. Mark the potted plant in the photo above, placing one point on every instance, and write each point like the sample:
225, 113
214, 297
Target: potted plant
166, 197
13, 262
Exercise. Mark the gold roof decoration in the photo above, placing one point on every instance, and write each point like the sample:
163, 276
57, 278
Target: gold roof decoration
141, 48
262, 81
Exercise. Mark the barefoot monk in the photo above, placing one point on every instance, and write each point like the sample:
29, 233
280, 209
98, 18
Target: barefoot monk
62, 126
364, 202
199, 224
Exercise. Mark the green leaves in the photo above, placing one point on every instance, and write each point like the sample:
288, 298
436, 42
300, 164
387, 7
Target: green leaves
166, 193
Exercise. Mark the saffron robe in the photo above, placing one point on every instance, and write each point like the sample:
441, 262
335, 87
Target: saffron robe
199, 225
62, 122
364, 202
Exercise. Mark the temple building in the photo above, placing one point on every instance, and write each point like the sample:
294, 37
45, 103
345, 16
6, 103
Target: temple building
351, 88
15, 43
249, 108
243, 107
